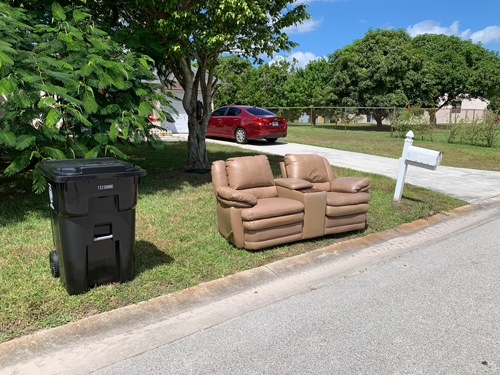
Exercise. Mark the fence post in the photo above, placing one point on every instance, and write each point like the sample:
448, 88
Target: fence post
393, 119
311, 119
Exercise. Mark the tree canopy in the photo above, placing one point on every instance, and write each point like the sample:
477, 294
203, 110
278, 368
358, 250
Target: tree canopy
460, 69
176, 33
381, 70
70, 91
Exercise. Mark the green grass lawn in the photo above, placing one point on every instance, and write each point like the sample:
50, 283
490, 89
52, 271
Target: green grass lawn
365, 139
177, 242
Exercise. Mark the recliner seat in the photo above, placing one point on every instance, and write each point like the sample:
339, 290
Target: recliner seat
251, 214
346, 197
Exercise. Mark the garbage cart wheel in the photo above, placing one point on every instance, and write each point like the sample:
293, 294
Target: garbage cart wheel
54, 263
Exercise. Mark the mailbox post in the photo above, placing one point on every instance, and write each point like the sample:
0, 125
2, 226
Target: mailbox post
417, 156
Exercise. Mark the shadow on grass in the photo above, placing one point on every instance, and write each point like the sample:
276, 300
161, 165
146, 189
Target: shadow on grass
148, 256
166, 171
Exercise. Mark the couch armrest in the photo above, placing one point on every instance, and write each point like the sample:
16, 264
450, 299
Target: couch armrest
293, 183
350, 184
228, 194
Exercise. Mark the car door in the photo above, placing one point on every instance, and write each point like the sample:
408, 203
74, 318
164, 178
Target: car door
231, 121
216, 124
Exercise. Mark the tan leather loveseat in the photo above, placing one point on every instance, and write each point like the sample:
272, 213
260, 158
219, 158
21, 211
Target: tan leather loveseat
255, 211
251, 212
346, 197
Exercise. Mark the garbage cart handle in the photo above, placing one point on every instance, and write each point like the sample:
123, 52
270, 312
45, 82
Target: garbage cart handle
102, 238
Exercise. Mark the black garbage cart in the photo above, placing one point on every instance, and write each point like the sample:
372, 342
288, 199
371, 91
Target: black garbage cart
92, 209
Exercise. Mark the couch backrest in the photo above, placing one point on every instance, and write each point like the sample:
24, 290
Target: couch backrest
310, 167
251, 174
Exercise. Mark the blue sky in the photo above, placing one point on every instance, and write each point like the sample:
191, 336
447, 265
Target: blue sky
337, 23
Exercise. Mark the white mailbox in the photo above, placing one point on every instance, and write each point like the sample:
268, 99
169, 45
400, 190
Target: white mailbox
422, 157
417, 156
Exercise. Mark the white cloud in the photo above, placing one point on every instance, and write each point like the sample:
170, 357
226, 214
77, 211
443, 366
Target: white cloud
488, 34
362, 21
302, 58
432, 27
304, 27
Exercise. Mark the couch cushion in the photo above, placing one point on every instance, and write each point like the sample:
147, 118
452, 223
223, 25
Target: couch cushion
345, 199
272, 207
229, 194
309, 167
272, 233
249, 172
347, 210
350, 184
273, 221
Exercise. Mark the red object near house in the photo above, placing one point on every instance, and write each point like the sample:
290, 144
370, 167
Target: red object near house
242, 123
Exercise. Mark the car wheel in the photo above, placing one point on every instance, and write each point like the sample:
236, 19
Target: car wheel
271, 140
241, 136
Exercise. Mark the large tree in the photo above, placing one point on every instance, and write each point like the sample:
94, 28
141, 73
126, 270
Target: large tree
381, 70
460, 68
306, 88
232, 74
70, 90
177, 33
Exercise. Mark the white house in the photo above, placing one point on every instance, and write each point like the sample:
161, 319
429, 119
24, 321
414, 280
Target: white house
180, 126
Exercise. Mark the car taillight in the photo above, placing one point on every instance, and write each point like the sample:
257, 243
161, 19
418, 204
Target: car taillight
261, 120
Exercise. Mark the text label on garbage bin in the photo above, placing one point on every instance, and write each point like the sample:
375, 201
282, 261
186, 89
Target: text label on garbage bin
105, 187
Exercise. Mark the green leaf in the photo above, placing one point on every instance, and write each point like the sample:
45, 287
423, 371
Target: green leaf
19, 163
78, 116
79, 148
47, 101
79, 15
125, 130
102, 138
112, 108
141, 92
54, 153
25, 141
58, 12
89, 102
39, 181
144, 109
5, 59
116, 151
7, 138
53, 117
113, 130
93, 153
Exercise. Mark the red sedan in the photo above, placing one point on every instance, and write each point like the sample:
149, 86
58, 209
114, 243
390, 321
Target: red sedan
241, 122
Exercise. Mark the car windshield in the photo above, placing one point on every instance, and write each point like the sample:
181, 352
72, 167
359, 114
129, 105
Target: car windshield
259, 111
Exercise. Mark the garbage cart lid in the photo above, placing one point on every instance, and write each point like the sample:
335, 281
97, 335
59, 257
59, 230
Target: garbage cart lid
69, 170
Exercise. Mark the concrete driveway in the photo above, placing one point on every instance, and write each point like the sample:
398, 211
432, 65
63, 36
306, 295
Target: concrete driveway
468, 184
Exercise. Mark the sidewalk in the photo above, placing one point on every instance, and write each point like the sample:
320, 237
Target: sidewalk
467, 184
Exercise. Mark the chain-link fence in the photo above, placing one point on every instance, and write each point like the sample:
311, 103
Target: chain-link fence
373, 115
457, 125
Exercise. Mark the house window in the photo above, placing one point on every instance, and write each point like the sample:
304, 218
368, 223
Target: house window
456, 106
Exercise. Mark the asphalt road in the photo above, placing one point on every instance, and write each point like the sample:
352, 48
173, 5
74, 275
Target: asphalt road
434, 309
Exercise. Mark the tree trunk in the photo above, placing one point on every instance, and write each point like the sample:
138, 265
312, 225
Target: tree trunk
379, 120
197, 149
